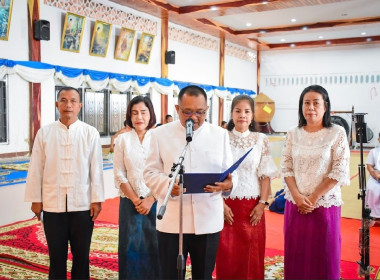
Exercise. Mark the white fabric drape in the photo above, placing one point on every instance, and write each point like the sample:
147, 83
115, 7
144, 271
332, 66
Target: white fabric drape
75, 82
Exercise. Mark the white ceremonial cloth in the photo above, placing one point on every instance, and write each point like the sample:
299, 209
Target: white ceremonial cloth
311, 157
129, 162
209, 152
66, 162
373, 186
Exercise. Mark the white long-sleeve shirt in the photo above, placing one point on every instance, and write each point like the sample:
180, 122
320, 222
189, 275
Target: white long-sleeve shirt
209, 152
129, 162
66, 162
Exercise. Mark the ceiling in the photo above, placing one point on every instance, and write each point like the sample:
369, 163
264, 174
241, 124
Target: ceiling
273, 24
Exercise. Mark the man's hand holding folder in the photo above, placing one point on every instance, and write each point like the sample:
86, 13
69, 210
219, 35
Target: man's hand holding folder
224, 186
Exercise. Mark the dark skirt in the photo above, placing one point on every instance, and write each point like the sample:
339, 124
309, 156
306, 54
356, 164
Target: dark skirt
241, 246
138, 247
312, 243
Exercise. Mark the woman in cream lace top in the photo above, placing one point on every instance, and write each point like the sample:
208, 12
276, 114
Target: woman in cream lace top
138, 247
242, 241
314, 164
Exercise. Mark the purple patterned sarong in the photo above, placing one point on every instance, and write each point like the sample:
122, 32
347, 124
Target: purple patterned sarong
312, 243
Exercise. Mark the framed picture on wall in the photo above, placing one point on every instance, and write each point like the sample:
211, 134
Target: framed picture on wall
5, 18
124, 44
72, 32
100, 38
145, 48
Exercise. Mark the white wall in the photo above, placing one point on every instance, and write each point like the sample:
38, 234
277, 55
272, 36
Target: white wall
317, 64
240, 73
194, 64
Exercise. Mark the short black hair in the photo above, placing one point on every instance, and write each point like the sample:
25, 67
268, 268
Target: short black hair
168, 116
192, 90
223, 123
148, 104
68, 89
235, 101
326, 121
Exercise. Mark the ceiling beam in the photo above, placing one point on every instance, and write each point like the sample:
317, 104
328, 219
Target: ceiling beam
297, 27
316, 25
221, 6
324, 43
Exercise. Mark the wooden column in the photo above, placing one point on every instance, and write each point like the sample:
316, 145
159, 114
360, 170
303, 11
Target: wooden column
164, 66
258, 71
34, 88
221, 74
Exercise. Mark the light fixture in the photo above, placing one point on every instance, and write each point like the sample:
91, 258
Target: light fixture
320, 37
305, 28
292, 45
293, 20
363, 33
328, 43
262, 31
264, 2
248, 24
213, 8
368, 39
282, 40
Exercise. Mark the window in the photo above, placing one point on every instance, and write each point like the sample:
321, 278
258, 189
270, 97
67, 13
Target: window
105, 109
3, 113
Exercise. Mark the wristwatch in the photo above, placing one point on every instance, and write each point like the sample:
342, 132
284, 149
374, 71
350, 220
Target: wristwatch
264, 202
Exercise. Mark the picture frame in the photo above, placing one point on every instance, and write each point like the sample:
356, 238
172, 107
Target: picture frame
145, 48
72, 32
124, 44
5, 18
100, 38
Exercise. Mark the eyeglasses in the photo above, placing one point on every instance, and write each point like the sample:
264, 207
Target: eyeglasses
188, 113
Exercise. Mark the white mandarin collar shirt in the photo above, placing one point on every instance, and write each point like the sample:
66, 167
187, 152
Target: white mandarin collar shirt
66, 162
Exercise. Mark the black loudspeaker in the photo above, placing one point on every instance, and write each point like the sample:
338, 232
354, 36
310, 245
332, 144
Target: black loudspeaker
170, 57
42, 30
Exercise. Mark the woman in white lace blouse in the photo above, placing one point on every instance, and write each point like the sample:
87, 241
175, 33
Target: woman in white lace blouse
314, 164
242, 241
138, 247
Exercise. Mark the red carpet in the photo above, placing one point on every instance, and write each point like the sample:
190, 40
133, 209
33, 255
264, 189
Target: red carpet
275, 240
24, 253
23, 250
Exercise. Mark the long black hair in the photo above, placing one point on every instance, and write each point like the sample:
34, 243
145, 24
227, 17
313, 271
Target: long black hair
235, 101
326, 121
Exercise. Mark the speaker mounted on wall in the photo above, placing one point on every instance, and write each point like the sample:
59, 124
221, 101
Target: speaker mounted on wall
170, 57
42, 30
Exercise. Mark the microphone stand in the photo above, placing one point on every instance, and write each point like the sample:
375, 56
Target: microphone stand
177, 168
364, 267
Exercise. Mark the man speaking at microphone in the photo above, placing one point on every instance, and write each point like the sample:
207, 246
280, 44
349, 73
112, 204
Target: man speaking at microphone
208, 152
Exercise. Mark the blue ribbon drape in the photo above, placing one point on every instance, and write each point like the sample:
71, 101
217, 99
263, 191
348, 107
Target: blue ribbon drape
101, 76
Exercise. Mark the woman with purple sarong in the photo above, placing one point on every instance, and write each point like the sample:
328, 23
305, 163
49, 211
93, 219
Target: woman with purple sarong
314, 164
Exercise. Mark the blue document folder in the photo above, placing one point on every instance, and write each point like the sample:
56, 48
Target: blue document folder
195, 182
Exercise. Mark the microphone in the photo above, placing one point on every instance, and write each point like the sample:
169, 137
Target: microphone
189, 129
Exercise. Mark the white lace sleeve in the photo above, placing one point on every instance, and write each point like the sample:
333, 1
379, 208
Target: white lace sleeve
267, 167
286, 164
340, 170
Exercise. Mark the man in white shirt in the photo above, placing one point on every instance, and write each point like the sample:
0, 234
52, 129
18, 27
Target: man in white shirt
209, 152
65, 183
